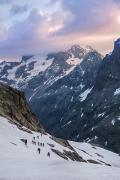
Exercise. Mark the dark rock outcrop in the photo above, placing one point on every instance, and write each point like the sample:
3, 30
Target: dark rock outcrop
59, 154
62, 142
14, 107
72, 155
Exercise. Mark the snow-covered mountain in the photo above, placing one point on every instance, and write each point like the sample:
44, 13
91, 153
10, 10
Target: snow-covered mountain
74, 93
18, 74
97, 117
55, 82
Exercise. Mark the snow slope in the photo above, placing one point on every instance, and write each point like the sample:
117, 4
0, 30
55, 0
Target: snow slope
20, 162
40, 65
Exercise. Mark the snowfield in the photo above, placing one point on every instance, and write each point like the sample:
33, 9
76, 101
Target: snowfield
40, 65
21, 162
84, 95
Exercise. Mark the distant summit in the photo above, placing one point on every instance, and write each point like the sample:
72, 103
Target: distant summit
26, 57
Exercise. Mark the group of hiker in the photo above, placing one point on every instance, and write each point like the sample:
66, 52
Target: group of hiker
34, 142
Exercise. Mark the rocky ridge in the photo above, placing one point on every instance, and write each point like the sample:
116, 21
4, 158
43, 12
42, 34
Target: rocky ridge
14, 107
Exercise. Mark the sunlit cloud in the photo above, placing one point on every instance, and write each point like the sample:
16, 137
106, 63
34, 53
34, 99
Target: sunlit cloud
58, 24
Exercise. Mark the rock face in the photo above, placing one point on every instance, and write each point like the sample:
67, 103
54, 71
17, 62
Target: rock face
97, 118
103, 114
13, 106
62, 98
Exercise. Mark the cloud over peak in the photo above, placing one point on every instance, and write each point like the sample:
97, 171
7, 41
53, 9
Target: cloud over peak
33, 28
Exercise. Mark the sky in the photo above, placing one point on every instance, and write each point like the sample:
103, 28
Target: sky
42, 26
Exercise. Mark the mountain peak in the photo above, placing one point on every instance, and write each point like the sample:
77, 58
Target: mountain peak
89, 48
117, 41
117, 44
77, 51
76, 47
26, 57
116, 50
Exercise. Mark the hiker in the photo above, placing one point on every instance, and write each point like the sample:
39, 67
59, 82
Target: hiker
37, 137
41, 134
48, 154
39, 150
26, 142
41, 144
33, 142
34, 138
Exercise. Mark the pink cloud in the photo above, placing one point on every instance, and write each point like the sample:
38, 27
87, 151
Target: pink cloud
92, 22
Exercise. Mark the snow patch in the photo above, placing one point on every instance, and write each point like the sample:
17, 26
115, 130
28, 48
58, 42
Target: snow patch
40, 65
84, 95
113, 122
117, 92
102, 114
